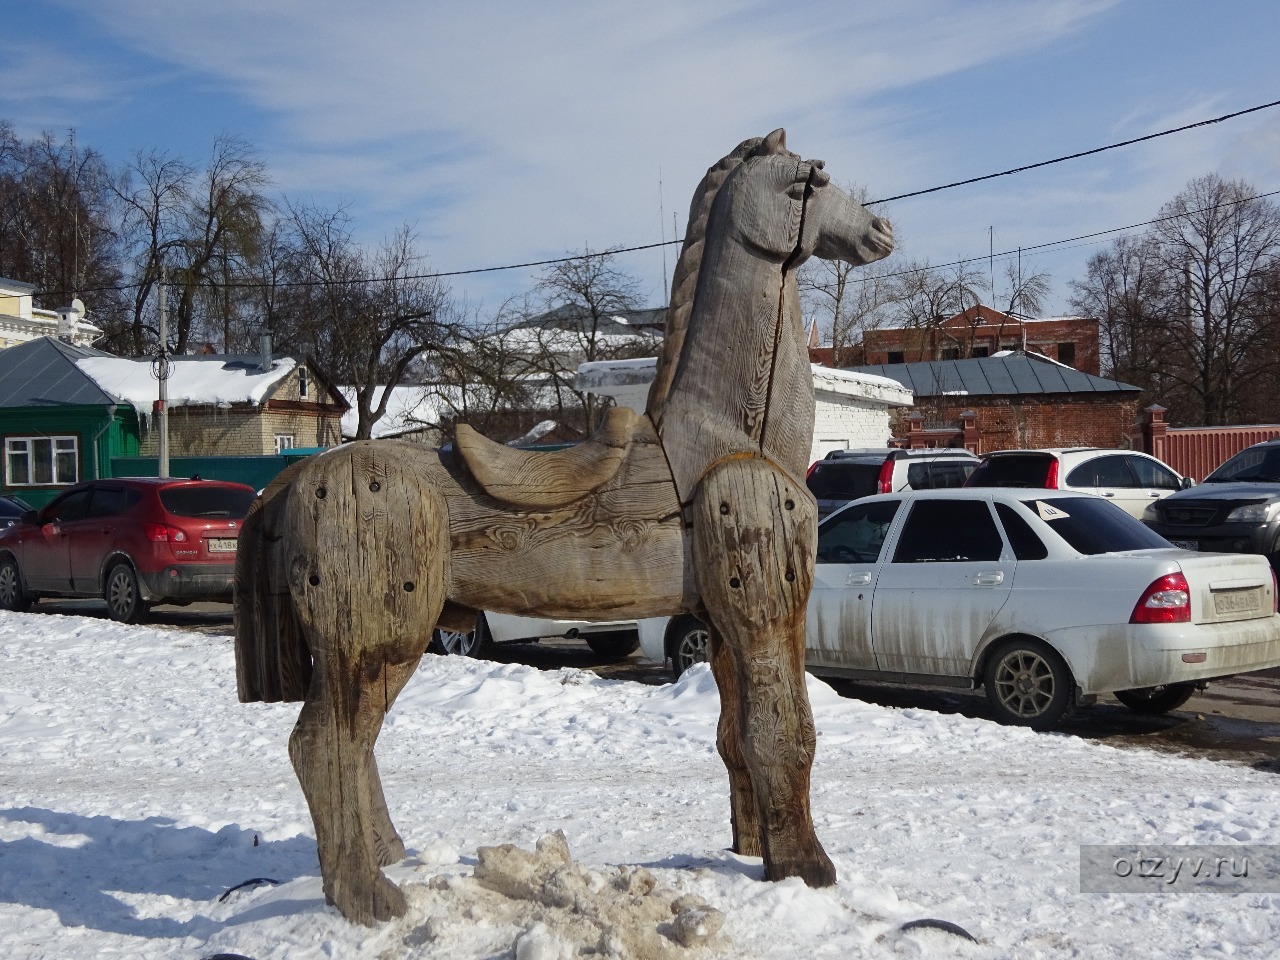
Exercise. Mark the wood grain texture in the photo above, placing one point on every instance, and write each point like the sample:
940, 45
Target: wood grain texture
349, 559
542, 479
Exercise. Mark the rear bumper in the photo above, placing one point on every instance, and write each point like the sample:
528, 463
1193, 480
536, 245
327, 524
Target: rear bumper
1147, 655
188, 581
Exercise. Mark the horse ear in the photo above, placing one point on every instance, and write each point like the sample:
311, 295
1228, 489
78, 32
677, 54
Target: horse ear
776, 142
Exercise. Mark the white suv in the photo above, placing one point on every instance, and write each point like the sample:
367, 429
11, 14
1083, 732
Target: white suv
1129, 479
844, 475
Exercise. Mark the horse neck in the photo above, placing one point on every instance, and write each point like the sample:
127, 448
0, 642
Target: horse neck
743, 383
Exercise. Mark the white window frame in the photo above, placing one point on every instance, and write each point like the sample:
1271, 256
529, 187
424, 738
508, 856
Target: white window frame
62, 463
284, 441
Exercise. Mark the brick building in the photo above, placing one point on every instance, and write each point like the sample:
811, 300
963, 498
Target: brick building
983, 331
1015, 401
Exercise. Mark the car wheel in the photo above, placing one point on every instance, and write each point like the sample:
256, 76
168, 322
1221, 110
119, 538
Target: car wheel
613, 646
463, 643
1028, 684
689, 642
1154, 700
124, 600
12, 595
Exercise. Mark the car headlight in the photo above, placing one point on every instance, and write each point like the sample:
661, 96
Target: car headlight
1253, 513
1150, 515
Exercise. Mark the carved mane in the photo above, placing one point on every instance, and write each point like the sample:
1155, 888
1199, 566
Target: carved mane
684, 282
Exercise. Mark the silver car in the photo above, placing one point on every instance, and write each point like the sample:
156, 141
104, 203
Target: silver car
1044, 598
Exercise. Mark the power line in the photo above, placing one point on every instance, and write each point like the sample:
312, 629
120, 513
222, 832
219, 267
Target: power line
653, 246
1082, 153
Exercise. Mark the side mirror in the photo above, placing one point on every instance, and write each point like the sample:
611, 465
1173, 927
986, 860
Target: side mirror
1186, 484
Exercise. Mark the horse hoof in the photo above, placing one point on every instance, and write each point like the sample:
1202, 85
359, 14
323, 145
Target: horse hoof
815, 871
377, 901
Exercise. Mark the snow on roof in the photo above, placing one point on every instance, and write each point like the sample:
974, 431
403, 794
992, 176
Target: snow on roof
410, 408
193, 381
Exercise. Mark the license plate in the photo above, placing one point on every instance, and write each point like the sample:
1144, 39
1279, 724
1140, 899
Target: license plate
1237, 601
1186, 544
221, 545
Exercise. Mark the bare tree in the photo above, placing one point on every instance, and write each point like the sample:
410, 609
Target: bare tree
1190, 309
221, 231
1028, 292
580, 301
56, 225
363, 318
152, 192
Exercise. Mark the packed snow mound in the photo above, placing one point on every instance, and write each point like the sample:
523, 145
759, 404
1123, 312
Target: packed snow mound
541, 905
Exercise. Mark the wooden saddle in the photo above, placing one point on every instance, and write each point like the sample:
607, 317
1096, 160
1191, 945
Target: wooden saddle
542, 479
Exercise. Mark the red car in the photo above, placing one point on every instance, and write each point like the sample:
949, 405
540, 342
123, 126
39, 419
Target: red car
134, 541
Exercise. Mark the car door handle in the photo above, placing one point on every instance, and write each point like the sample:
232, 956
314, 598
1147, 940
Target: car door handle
858, 580
1108, 493
989, 579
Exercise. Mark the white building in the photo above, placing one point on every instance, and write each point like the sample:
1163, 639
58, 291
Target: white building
851, 409
21, 322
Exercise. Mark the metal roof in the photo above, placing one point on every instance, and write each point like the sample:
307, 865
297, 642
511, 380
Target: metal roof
43, 373
1017, 374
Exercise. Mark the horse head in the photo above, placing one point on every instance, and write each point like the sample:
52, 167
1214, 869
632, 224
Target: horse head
787, 209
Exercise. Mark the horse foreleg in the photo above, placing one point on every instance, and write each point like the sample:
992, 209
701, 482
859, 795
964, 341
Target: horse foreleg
367, 562
744, 819
332, 753
753, 549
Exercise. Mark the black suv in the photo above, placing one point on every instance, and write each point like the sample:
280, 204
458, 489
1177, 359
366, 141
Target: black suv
1235, 510
844, 475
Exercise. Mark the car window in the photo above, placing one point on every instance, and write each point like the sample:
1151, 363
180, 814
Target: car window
112, 501
856, 534
1108, 471
1026, 545
73, 506
939, 474
1153, 475
842, 480
940, 531
1252, 464
1020, 470
204, 500
1092, 525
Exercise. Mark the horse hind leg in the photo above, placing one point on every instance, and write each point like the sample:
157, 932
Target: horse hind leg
367, 561
753, 547
743, 816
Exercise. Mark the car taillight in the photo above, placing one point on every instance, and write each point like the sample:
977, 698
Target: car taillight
163, 533
1167, 600
813, 466
1051, 478
885, 484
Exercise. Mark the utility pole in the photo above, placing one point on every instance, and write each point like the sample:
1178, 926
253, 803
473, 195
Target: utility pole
162, 404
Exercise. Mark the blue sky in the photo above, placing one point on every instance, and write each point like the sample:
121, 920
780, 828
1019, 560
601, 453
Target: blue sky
506, 132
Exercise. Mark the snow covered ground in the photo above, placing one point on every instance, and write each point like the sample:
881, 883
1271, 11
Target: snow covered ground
136, 792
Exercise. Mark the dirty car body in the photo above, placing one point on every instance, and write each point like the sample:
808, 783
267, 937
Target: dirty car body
1044, 598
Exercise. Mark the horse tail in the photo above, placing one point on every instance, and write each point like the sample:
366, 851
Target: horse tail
273, 661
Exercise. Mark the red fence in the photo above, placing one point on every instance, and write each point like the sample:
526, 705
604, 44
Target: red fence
1196, 451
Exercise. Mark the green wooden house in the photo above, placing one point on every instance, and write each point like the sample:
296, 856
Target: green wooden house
57, 425
70, 413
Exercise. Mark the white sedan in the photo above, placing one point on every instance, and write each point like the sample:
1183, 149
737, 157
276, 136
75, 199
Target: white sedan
1045, 598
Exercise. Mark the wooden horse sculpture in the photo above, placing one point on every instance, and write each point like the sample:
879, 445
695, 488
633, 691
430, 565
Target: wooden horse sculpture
350, 559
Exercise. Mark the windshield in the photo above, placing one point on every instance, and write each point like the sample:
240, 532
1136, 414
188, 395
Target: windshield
206, 500
1254, 464
1013, 470
1091, 525
843, 480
